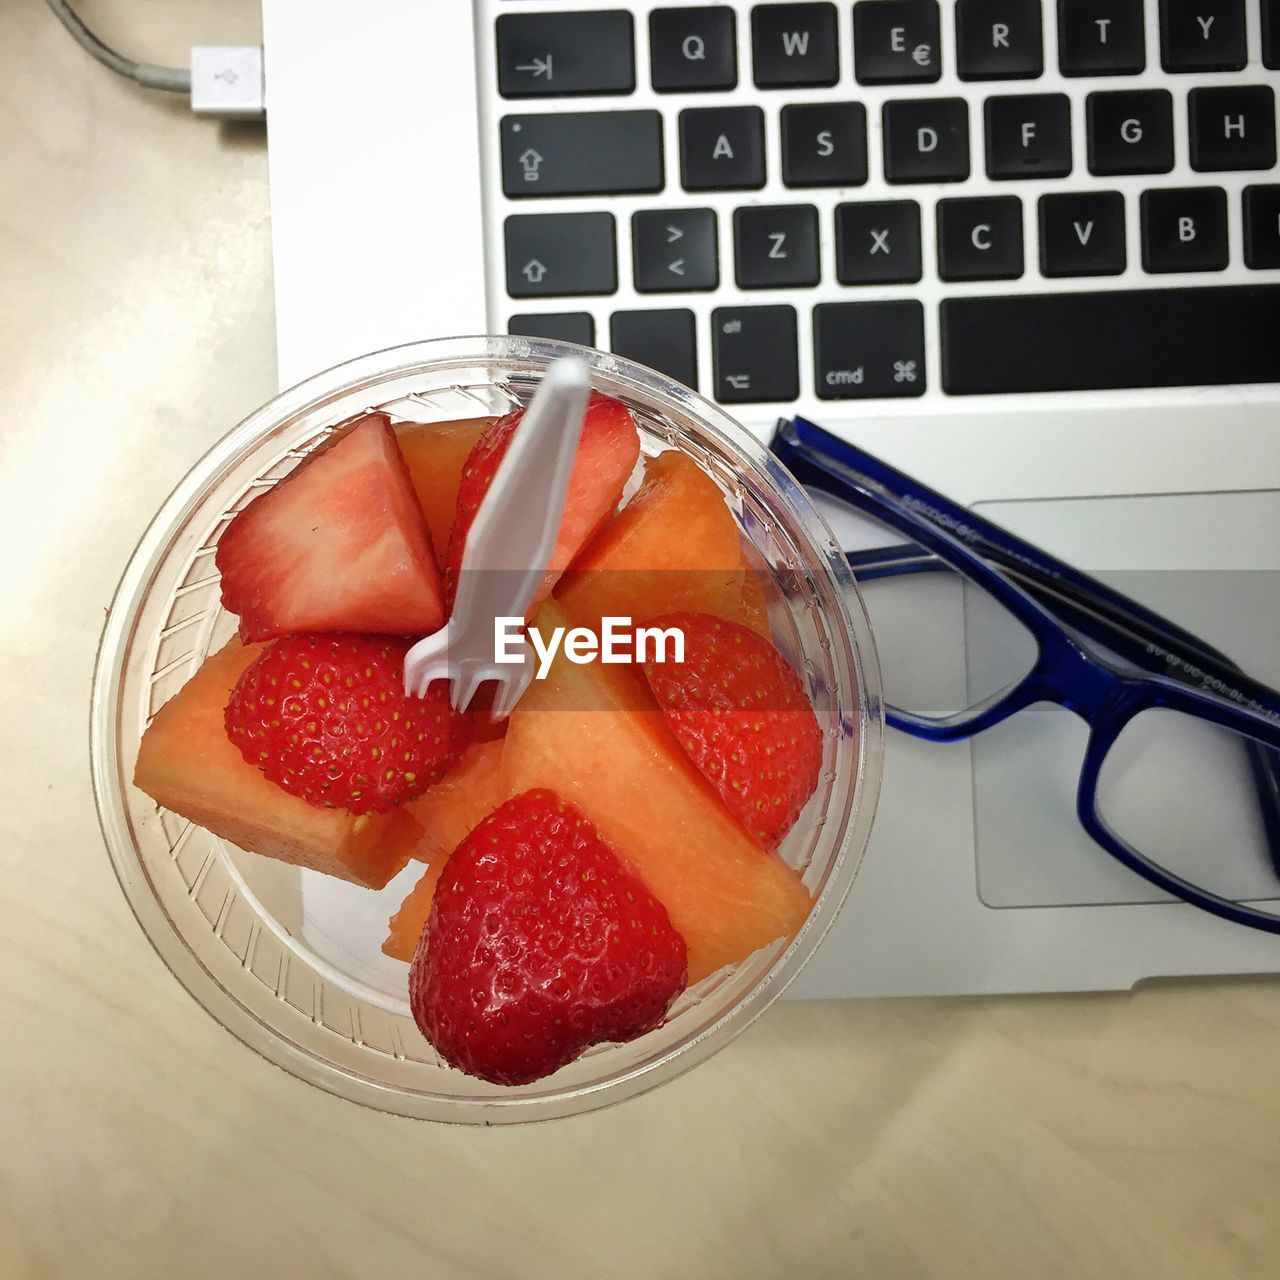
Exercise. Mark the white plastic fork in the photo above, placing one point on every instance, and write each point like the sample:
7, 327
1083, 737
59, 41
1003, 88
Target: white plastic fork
508, 548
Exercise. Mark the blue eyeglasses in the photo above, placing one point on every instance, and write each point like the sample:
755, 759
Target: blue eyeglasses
1180, 780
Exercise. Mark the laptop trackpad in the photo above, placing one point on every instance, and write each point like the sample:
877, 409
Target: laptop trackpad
1211, 563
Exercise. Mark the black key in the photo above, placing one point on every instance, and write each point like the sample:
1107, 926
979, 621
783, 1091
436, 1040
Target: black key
896, 41
775, 246
1232, 128
1184, 229
794, 44
754, 352
1261, 227
557, 54
722, 148
999, 39
1082, 234
663, 340
926, 140
1271, 34
581, 153
1029, 136
563, 326
550, 255
980, 238
693, 49
1101, 38
878, 242
1130, 131
675, 250
824, 145
1202, 35
865, 350
1100, 341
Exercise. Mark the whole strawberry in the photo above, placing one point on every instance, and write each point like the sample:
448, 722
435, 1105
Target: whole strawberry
326, 718
742, 716
540, 943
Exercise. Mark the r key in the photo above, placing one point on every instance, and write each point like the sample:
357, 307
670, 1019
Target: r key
999, 39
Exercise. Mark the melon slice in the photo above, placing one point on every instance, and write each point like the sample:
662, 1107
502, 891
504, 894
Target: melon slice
435, 453
592, 734
673, 548
406, 926
188, 765
466, 795
340, 544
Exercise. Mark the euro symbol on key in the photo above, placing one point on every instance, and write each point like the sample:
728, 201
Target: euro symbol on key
694, 48
921, 54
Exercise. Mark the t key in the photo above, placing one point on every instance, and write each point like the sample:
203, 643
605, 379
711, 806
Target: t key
1101, 37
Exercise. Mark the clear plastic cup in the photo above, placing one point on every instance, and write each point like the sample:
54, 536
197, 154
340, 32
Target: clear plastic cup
289, 960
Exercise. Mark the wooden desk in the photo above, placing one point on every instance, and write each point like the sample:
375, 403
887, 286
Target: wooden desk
1111, 1136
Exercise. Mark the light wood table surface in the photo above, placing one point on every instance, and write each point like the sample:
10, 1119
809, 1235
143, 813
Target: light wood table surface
1116, 1136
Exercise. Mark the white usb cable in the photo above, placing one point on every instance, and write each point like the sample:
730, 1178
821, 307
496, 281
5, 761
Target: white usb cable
224, 80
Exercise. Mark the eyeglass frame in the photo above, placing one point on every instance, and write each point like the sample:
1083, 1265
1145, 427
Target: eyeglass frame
1041, 591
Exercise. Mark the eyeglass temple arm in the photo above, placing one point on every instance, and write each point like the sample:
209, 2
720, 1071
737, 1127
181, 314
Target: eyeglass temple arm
1165, 641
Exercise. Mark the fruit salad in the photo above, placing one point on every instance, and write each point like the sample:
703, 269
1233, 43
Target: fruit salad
611, 842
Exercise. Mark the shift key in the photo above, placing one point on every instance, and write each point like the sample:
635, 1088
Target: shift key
580, 153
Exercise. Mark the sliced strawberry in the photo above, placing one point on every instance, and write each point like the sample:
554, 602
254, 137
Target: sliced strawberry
742, 716
607, 453
339, 545
540, 943
326, 718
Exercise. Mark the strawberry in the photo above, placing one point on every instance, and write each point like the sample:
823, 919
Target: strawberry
540, 943
340, 544
326, 718
607, 451
742, 716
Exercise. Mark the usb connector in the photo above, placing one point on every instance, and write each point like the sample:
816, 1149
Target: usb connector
227, 80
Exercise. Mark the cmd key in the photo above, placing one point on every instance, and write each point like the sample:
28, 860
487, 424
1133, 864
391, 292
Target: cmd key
543, 55
581, 153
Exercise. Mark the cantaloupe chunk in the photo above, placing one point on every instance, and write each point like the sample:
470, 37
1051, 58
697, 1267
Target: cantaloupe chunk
188, 765
435, 453
673, 548
468, 793
406, 926
592, 734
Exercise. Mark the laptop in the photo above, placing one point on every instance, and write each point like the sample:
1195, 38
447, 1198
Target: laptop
1026, 250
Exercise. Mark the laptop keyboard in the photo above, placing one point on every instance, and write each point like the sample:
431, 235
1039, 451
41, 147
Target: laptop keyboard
796, 201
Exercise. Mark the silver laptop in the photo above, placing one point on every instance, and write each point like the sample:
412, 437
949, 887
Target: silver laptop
1026, 250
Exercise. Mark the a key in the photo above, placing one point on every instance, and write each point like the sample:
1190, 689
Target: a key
1101, 38
663, 340
675, 250
1202, 35
794, 44
824, 144
722, 148
558, 54
562, 326
878, 242
553, 255
1271, 34
775, 246
896, 41
1261, 210
999, 39
693, 50
1082, 234
1184, 229
754, 353
1233, 127
868, 350
980, 238
926, 140
1029, 136
1130, 131
581, 153
1099, 341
